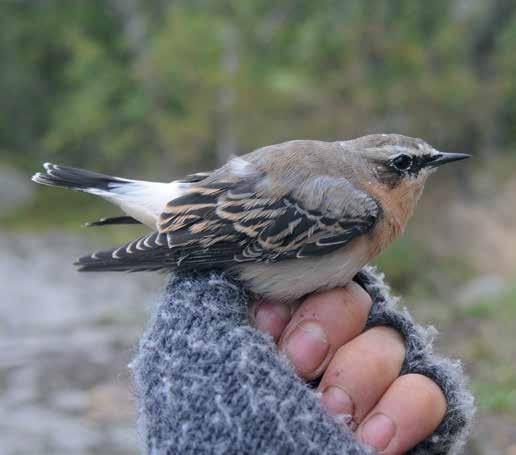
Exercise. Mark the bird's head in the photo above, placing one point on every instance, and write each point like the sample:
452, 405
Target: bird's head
393, 159
395, 166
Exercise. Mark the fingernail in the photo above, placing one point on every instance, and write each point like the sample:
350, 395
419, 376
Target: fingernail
337, 401
378, 431
307, 346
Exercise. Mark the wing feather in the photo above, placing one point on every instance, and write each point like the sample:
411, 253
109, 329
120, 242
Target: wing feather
220, 223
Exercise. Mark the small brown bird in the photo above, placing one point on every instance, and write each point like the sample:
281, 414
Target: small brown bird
287, 219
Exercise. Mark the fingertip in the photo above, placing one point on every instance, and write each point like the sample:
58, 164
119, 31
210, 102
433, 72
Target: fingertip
272, 317
352, 294
359, 293
410, 410
430, 394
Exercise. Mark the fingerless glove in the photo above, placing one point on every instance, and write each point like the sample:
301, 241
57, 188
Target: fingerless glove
209, 383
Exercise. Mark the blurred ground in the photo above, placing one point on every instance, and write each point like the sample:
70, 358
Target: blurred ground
66, 340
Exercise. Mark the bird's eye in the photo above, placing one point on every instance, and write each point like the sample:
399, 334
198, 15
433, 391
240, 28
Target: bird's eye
402, 162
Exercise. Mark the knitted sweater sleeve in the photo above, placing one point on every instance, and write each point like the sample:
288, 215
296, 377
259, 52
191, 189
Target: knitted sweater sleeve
207, 382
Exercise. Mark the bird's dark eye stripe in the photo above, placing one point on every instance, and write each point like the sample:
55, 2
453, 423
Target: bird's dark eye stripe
422, 161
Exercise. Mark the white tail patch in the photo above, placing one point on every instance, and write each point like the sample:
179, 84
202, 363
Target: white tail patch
142, 200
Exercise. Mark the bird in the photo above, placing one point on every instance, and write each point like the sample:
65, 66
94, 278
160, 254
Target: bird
285, 220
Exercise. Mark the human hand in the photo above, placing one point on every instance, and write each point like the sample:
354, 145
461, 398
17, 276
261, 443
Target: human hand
323, 336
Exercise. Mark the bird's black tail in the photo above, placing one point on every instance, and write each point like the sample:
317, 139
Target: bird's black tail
77, 179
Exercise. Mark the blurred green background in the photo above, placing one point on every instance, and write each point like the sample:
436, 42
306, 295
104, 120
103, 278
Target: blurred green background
156, 89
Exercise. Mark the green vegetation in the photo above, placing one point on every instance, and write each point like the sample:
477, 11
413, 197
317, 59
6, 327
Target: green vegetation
500, 306
496, 396
51, 206
160, 87
407, 258
489, 348
496, 391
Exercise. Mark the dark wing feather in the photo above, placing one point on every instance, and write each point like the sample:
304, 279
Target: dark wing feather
220, 223
113, 220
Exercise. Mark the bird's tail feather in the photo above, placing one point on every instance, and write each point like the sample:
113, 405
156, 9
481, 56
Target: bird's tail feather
142, 201
115, 220
77, 179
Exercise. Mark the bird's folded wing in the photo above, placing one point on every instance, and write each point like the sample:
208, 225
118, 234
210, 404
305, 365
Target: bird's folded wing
223, 223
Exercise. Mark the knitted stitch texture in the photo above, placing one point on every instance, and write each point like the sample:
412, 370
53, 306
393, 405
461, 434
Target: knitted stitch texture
209, 383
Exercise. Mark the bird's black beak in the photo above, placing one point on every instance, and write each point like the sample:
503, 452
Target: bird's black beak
443, 158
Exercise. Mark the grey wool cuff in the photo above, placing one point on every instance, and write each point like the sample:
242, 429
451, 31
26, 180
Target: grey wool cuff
207, 382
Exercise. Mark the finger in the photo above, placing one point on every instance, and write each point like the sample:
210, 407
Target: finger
410, 411
360, 373
271, 317
323, 323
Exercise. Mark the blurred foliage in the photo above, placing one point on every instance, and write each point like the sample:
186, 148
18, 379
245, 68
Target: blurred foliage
497, 397
502, 306
489, 347
414, 267
161, 87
